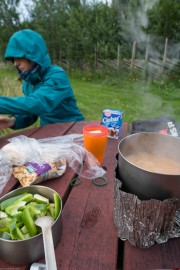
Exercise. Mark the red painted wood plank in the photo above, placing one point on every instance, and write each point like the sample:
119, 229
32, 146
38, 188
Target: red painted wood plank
27, 132
87, 216
78, 127
60, 184
52, 130
162, 256
8, 266
87, 213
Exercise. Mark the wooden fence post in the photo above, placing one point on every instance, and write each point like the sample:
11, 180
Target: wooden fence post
95, 57
54, 56
68, 63
146, 56
60, 57
118, 57
147, 50
133, 53
106, 58
165, 54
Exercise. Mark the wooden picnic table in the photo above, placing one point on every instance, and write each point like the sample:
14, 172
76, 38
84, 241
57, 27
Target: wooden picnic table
89, 237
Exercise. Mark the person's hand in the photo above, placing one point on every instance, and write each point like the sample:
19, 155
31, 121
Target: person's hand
7, 122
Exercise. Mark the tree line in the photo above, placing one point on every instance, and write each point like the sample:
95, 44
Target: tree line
76, 29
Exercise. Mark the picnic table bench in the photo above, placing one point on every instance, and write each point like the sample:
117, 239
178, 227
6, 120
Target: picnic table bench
89, 237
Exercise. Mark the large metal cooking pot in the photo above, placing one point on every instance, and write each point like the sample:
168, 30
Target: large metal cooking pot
145, 184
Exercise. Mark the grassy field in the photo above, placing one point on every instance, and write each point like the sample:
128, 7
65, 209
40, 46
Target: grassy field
137, 98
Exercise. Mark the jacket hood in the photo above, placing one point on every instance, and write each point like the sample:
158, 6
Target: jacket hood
30, 45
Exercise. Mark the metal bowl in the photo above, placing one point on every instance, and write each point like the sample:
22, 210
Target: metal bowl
32, 249
145, 184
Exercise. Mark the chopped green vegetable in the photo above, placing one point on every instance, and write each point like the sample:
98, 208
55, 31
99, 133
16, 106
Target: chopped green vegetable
19, 223
20, 235
10, 201
24, 229
57, 204
26, 235
41, 206
3, 222
13, 210
17, 214
48, 214
40, 198
28, 222
51, 209
33, 209
12, 227
26, 197
3, 214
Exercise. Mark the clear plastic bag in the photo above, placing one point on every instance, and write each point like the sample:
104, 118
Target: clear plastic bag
5, 170
71, 147
22, 150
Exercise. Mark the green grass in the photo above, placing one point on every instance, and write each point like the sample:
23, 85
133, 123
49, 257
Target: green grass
139, 99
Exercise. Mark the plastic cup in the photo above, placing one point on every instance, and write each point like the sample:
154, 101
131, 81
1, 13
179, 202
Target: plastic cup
95, 139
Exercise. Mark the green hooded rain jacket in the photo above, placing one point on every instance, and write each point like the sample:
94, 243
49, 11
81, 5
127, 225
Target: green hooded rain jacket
47, 92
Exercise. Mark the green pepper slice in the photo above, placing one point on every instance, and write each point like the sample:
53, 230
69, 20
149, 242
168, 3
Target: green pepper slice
26, 197
57, 205
4, 222
9, 201
20, 235
3, 214
28, 222
12, 228
13, 210
33, 209
51, 209
40, 199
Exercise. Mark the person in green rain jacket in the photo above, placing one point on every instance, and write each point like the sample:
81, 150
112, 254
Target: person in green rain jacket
47, 91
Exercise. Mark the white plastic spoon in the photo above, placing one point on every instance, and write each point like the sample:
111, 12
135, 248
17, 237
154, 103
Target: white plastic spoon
45, 223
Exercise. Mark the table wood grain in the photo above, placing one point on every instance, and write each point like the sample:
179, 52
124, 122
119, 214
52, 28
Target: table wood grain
89, 238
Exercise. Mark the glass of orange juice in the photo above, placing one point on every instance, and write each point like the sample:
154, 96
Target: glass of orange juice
95, 139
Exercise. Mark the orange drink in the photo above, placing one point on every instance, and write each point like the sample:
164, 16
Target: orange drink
95, 138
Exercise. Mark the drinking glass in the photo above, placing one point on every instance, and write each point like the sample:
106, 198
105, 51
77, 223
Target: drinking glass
95, 139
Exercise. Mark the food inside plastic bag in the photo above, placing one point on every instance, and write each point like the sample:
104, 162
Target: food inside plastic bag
33, 173
22, 152
22, 149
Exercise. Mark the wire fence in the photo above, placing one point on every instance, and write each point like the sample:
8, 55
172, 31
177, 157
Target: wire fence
142, 60
153, 68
